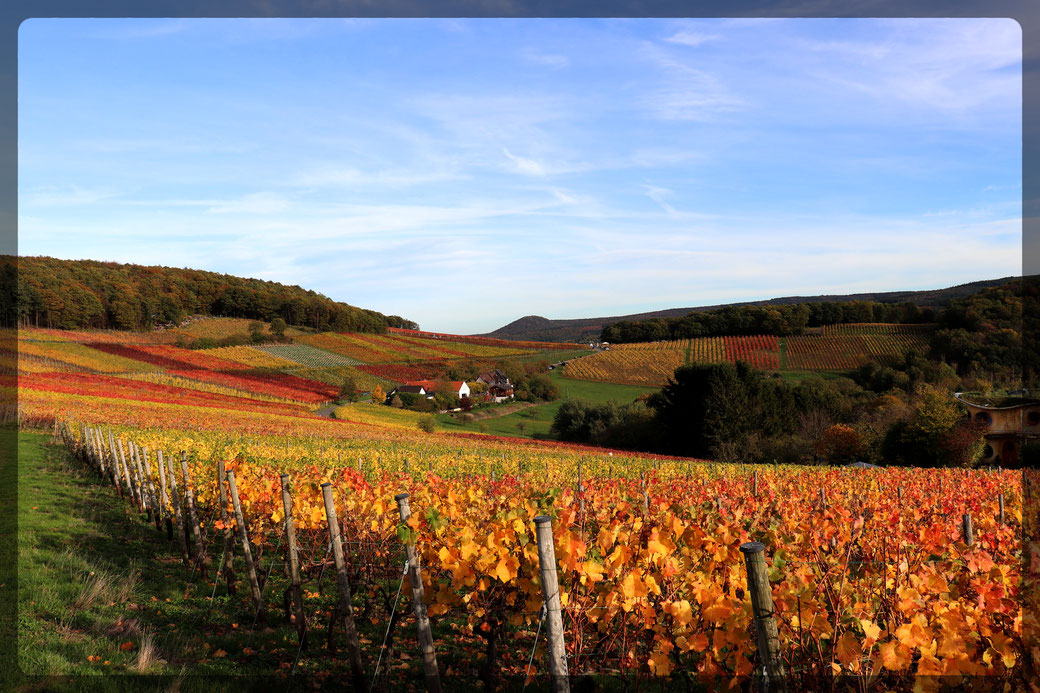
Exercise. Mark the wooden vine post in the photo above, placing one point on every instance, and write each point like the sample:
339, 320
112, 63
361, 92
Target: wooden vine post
146, 500
294, 564
247, 553
120, 479
182, 539
422, 619
99, 446
229, 537
134, 495
196, 529
766, 632
969, 535
157, 515
344, 608
581, 490
1000, 505
99, 454
551, 603
164, 499
106, 452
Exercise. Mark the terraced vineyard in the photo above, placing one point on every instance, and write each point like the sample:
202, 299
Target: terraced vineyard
82, 357
652, 363
305, 355
842, 352
877, 328
252, 357
645, 363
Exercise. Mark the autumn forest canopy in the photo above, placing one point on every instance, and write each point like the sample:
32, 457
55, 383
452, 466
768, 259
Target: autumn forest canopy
78, 294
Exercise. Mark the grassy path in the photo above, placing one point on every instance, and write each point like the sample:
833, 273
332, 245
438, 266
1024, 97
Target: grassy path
103, 599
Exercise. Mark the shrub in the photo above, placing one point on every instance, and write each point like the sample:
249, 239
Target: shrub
427, 424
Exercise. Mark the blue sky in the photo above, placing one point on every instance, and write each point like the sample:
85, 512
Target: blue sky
463, 173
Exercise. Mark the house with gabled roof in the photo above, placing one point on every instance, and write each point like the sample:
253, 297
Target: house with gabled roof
498, 384
427, 388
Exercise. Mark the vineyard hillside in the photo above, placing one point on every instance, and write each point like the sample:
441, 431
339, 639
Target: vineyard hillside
829, 349
168, 464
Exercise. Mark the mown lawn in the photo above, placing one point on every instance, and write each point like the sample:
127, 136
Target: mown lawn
536, 421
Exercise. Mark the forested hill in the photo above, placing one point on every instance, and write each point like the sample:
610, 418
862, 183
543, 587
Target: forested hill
535, 327
76, 294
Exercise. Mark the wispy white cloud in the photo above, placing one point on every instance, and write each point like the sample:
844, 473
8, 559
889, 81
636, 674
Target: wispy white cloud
658, 195
684, 92
553, 60
253, 203
687, 37
528, 167
949, 65
333, 176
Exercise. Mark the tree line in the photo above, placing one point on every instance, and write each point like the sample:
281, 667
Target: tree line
735, 413
88, 294
781, 320
887, 413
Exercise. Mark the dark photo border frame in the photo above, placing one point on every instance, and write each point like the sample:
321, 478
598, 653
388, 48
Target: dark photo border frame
14, 12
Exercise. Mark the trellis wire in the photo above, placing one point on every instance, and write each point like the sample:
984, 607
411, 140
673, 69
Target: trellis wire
267, 579
527, 672
389, 623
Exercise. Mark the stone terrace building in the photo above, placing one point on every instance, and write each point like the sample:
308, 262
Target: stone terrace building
1010, 423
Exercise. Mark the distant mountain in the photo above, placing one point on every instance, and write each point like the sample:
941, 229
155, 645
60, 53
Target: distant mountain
537, 328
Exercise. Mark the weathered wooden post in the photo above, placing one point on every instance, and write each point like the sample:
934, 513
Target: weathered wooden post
196, 530
182, 540
157, 515
969, 536
164, 500
767, 635
823, 498
134, 496
106, 452
229, 538
422, 619
754, 483
344, 608
294, 564
1000, 504
581, 490
243, 535
551, 601
135, 452
99, 452
899, 493
120, 479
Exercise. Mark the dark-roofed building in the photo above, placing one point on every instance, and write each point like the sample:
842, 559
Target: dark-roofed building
414, 389
498, 384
